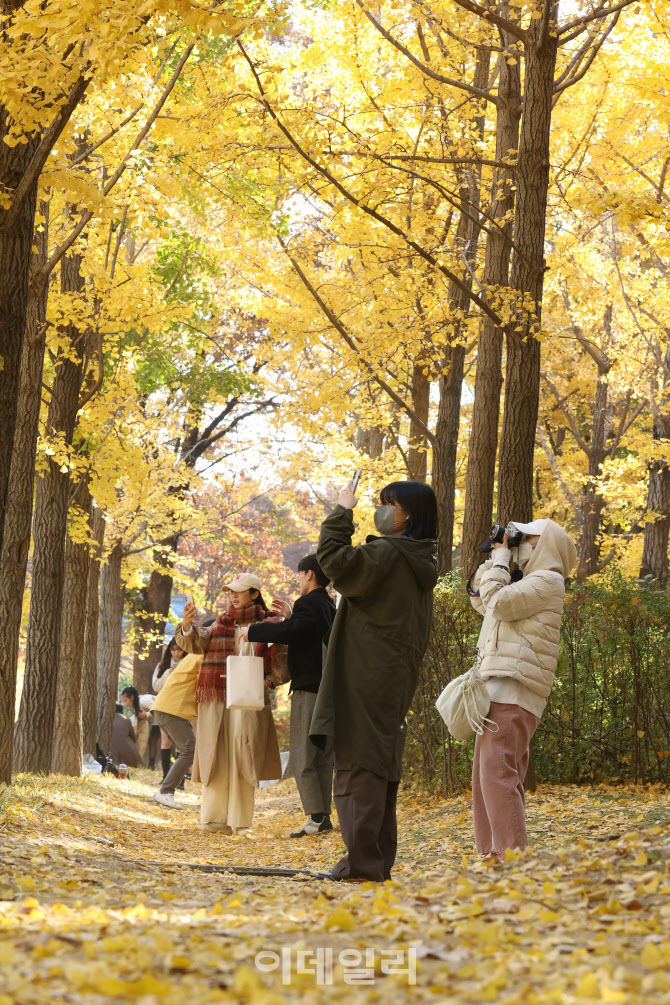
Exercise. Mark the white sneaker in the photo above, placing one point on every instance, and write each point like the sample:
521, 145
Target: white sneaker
312, 827
167, 799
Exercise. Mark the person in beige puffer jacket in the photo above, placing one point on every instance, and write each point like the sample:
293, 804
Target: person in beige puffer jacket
518, 649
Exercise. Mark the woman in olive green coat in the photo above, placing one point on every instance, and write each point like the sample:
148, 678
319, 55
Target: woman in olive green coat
375, 649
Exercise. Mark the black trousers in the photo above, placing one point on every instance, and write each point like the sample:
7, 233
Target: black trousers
366, 809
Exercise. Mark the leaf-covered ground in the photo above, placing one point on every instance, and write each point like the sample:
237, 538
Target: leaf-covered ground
99, 905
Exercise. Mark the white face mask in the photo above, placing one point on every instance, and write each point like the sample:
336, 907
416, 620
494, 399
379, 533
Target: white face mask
525, 551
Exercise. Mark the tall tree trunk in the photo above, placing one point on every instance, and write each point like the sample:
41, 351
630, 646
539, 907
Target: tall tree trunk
445, 446
66, 752
417, 454
17, 225
445, 450
445, 453
153, 616
655, 551
19, 508
483, 445
34, 734
110, 634
522, 372
592, 501
16, 241
89, 671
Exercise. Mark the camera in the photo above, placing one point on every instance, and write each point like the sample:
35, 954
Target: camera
497, 533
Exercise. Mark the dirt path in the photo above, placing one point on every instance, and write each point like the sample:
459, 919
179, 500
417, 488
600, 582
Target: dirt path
98, 904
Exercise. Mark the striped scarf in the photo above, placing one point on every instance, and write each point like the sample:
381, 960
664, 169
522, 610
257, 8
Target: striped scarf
211, 684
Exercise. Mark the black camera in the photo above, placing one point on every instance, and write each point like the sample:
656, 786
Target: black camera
497, 533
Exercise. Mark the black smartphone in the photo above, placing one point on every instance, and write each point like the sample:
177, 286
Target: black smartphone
356, 479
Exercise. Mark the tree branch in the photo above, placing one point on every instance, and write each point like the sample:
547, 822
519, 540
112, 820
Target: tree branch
84, 400
45, 147
546, 21
580, 22
339, 327
42, 275
462, 85
496, 19
625, 424
595, 49
325, 173
557, 471
203, 445
574, 428
108, 135
602, 361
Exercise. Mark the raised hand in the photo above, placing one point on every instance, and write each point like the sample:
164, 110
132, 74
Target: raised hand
189, 615
346, 498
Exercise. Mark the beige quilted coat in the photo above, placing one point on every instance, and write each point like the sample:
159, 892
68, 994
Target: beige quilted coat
522, 621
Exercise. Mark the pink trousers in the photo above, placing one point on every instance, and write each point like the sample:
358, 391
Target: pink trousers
498, 772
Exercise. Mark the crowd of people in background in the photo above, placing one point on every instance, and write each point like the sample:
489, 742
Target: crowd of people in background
352, 671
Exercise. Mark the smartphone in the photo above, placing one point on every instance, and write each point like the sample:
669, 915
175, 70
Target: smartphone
356, 479
189, 599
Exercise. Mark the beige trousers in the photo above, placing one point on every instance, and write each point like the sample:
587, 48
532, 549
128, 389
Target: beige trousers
227, 798
142, 730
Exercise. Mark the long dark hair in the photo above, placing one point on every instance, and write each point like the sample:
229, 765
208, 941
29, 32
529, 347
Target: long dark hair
132, 692
166, 658
419, 502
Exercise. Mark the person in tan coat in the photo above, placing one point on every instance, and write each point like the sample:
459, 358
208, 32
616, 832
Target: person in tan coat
518, 648
235, 749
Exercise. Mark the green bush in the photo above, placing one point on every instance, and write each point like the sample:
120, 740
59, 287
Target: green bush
608, 715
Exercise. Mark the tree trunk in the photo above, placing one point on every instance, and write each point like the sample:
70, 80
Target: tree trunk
16, 240
15, 263
19, 505
89, 672
592, 503
445, 447
153, 616
483, 445
655, 551
110, 634
445, 451
34, 734
66, 752
417, 454
522, 373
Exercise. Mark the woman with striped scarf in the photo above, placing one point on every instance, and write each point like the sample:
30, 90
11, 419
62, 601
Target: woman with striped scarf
235, 748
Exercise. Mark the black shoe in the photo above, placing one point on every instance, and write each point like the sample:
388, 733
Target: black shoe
343, 879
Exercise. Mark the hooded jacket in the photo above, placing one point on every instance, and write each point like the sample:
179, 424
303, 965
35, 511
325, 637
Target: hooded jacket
522, 621
376, 644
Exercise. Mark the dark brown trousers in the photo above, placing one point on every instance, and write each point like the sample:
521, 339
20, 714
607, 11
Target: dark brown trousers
366, 809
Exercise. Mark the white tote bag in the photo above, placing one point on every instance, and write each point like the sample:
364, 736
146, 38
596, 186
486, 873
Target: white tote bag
245, 676
464, 704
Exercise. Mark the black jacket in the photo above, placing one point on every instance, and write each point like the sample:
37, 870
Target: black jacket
304, 632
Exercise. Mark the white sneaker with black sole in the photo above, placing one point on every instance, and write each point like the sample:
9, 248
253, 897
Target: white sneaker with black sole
167, 799
312, 827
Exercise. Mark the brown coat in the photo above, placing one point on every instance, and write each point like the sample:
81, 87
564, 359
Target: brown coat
260, 760
123, 747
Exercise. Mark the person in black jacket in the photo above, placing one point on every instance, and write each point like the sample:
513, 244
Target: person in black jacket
304, 631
